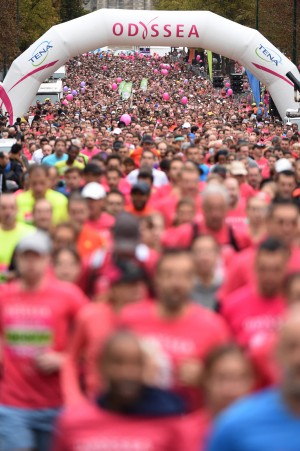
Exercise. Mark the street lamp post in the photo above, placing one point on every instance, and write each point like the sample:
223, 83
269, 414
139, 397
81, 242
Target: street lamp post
257, 15
295, 33
18, 22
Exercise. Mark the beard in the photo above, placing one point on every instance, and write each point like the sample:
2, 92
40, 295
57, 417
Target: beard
291, 384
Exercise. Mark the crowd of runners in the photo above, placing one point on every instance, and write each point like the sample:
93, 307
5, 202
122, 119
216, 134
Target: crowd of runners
149, 265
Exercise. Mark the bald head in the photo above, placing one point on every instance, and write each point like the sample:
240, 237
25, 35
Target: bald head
8, 211
232, 186
122, 365
289, 353
42, 214
215, 205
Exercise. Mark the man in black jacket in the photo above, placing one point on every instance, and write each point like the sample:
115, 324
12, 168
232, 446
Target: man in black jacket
15, 172
3, 162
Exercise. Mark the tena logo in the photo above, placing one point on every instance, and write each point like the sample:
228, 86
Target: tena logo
40, 53
268, 55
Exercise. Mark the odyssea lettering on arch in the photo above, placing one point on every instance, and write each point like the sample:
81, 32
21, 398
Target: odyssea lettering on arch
154, 29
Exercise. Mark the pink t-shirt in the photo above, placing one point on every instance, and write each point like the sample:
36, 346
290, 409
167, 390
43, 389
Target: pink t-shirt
90, 427
94, 323
190, 336
90, 153
252, 318
31, 323
237, 216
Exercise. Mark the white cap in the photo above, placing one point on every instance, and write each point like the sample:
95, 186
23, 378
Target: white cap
283, 165
94, 191
186, 125
117, 131
38, 242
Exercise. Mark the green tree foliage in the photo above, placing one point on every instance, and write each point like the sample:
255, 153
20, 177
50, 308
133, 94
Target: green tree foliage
8, 32
70, 9
240, 11
36, 17
275, 16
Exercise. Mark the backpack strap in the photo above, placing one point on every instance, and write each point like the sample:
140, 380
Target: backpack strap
232, 239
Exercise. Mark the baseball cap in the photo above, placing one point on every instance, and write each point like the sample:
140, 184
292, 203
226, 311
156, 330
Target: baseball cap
126, 232
147, 139
125, 271
283, 164
238, 168
38, 242
94, 191
117, 131
186, 125
141, 187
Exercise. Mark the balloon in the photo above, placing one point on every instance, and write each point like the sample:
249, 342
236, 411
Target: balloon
227, 85
161, 65
82, 90
186, 81
201, 61
141, 55
230, 92
65, 102
66, 89
164, 71
119, 79
198, 58
82, 84
184, 100
114, 86
155, 71
74, 92
69, 97
166, 96
104, 67
132, 58
125, 118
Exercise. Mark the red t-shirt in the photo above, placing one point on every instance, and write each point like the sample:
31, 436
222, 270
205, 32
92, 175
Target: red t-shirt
103, 224
31, 323
124, 187
166, 206
190, 336
247, 191
90, 428
251, 317
237, 216
161, 192
94, 323
241, 270
182, 235
262, 163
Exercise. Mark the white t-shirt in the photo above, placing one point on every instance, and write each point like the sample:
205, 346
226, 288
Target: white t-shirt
37, 156
159, 177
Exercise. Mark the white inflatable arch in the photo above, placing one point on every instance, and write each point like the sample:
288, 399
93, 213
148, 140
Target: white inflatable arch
153, 28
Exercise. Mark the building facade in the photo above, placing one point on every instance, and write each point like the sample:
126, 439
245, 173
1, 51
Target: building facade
93, 5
